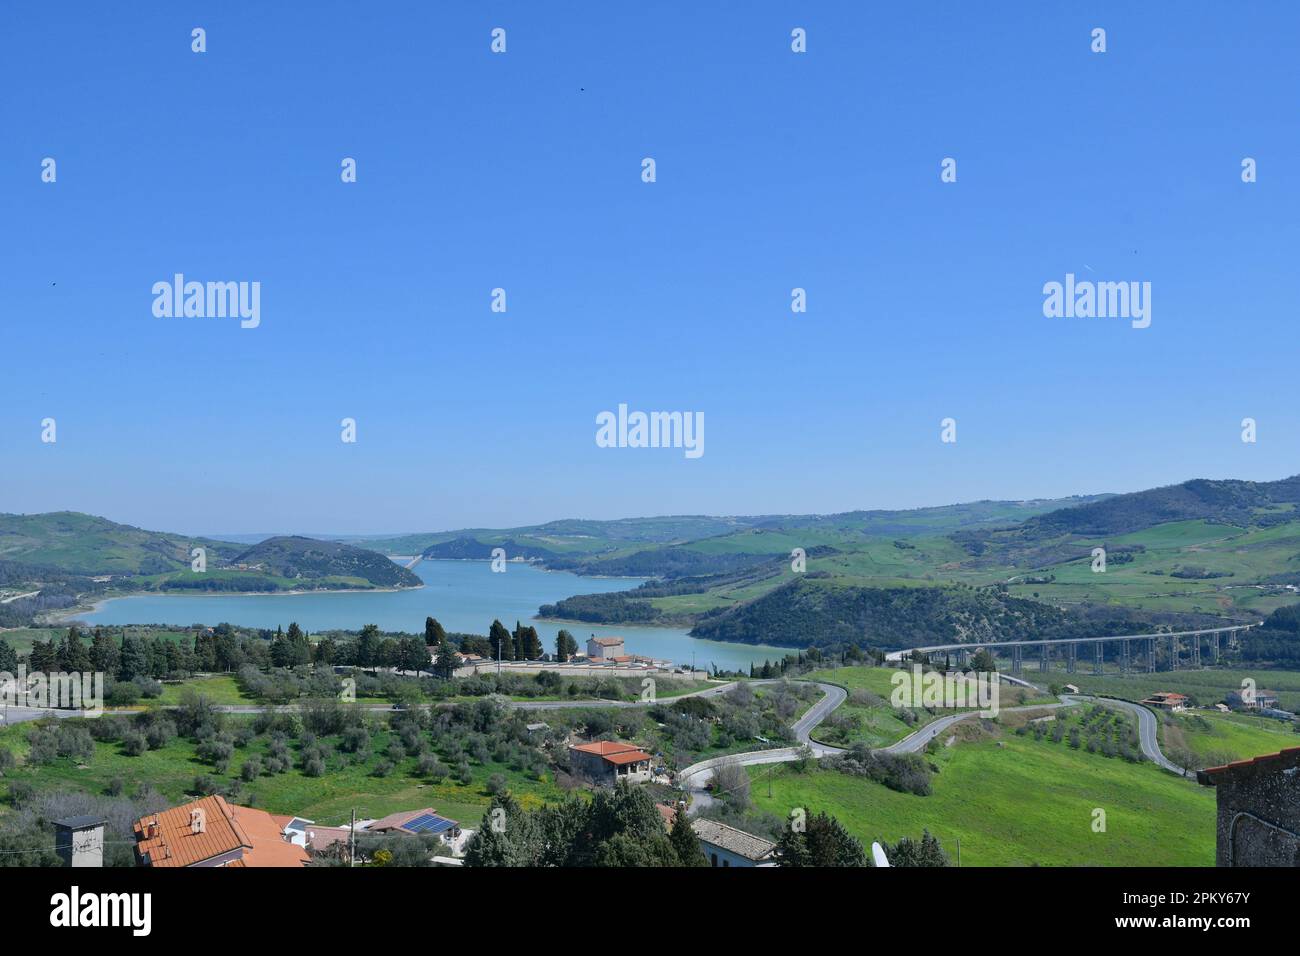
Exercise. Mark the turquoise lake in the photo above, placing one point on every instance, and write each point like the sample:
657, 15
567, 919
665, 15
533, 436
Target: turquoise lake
463, 595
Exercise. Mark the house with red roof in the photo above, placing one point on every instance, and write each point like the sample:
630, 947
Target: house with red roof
605, 762
211, 832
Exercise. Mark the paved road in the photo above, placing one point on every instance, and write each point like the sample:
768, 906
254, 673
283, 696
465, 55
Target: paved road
1148, 732
710, 691
19, 715
696, 777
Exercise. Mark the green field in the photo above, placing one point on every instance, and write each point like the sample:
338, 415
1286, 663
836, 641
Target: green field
1207, 686
1018, 802
327, 799
222, 691
1222, 738
879, 725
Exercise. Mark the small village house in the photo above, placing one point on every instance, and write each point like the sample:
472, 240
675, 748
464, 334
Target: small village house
211, 832
726, 846
605, 648
606, 762
1167, 701
412, 822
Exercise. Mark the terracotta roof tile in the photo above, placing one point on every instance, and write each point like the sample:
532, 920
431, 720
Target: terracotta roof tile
614, 751
170, 839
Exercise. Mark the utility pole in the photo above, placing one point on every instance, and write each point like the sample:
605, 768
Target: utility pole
352, 857
959, 852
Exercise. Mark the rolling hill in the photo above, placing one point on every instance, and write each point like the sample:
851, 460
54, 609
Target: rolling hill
1184, 554
50, 561
88, 545
306, 558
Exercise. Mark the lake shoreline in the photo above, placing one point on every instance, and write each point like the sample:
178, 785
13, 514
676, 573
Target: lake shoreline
71, 614
460, 593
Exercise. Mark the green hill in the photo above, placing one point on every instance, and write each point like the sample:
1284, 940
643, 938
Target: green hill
306, 558
87, 545
824, 611
49, 562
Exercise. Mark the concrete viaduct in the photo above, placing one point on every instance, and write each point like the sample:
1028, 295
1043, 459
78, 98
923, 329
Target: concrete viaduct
1185, 649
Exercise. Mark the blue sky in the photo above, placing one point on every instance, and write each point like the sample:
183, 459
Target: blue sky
522, 171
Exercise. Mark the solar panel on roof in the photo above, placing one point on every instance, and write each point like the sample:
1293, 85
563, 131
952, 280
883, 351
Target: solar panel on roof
428, 823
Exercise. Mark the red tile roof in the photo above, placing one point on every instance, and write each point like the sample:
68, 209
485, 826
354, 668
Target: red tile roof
168, 839
614, 751
668, 812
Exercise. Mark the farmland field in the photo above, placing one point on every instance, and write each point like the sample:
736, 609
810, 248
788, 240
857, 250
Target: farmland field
1018, 802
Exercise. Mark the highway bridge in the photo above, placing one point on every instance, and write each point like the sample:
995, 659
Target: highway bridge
1137, 652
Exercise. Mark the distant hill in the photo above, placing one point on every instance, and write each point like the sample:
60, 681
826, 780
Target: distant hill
88, 545
49, 562
823, 612
306, 558
1240, 503
573, 540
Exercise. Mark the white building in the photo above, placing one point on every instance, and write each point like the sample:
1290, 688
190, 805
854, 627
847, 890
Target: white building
605, 647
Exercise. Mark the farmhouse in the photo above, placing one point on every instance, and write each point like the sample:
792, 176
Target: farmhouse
605, 762
212, 832
416, 821
605, 648
1266, 699
1259, 810
726, 846
1168, 701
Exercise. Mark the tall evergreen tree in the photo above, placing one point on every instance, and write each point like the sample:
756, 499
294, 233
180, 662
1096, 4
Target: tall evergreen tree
368, 646
822, 842
8, 658
73, 657
103, 654
503, 647
923, 852
433, 632
685, 843
446, 661
135, 659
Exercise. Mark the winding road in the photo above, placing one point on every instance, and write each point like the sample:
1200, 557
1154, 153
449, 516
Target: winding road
695, 779
697, 776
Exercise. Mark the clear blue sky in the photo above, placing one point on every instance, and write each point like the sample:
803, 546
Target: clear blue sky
522, 170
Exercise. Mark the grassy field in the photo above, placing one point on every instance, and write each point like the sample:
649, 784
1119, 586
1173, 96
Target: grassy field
223, 691
1222, 738
1206, 686
860, 719
327, 799
21, 639
1018, 802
